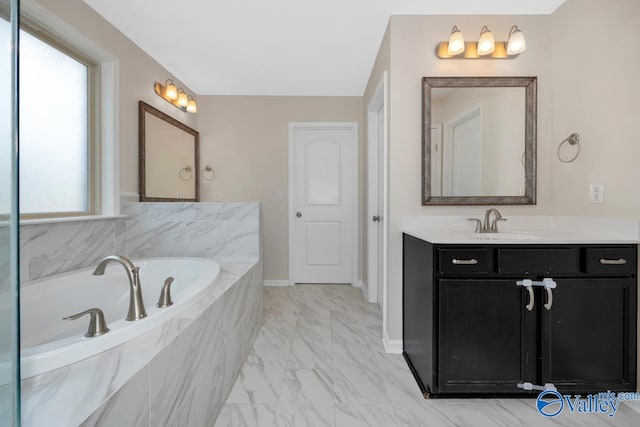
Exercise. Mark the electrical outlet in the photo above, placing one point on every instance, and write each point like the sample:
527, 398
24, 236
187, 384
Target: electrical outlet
597, 193
217, 196
279, 197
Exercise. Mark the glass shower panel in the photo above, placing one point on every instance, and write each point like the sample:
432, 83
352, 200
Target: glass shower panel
9, 222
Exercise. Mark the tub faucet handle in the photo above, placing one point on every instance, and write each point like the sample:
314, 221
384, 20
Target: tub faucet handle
97, 325
165, 294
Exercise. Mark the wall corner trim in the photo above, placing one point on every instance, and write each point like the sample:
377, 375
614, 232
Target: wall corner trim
392, 346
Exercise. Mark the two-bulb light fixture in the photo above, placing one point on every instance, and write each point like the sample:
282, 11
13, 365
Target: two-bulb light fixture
170, 93
485, 48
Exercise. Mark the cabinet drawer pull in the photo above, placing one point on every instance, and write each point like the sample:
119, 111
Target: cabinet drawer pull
471, 261
620, 261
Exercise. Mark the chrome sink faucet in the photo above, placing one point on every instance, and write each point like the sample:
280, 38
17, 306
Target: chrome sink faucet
136, 306
488, 226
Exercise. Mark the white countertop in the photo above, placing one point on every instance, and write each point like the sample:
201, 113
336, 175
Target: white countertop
525, 230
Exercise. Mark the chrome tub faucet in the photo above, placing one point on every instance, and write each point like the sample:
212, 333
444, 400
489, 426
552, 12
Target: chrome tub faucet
136, 306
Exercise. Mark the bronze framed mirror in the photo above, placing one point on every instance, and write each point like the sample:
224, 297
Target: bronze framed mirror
479, 140
168, 158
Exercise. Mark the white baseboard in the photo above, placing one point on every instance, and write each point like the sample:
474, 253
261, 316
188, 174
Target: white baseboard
359, 284
276, 283
392, 346
365, 290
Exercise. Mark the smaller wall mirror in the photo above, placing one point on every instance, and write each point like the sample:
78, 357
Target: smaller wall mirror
479, 141
169, 158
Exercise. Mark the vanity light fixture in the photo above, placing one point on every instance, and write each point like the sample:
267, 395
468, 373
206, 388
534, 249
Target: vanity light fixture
456, 42
486, 44
171, 90
191, 105
485, 48
176, 96
516, 44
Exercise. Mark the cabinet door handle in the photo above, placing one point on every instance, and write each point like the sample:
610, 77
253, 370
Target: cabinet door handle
532, 298
471, 261
528, 284
549, 302
620, 261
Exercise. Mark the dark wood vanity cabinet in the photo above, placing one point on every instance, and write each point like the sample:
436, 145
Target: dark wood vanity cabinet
470, 330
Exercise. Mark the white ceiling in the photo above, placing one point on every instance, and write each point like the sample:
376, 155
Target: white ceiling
278, 47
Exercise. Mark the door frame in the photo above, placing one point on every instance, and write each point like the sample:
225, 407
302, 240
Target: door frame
378, 100
353, 126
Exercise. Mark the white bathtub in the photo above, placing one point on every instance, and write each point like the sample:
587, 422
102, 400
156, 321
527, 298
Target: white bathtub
48, 342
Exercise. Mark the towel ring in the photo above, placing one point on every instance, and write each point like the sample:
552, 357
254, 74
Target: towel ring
208, 173
573, 139
185, 173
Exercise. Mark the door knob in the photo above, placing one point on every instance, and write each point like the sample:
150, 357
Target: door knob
298, 214
376, 218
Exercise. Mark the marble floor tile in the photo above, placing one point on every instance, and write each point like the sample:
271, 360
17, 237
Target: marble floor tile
246, 415
319, 361
261, 377
306, 400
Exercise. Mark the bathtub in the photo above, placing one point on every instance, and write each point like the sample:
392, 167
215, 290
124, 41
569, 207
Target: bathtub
49, 343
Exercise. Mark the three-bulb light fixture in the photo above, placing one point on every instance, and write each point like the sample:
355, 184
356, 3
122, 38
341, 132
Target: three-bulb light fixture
170, 93
485, 47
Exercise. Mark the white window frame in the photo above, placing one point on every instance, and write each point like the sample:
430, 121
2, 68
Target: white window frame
104, 167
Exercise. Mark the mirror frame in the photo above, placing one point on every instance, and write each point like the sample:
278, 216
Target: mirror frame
143, 108
531, 112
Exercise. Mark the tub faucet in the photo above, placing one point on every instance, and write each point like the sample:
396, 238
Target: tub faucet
136, 306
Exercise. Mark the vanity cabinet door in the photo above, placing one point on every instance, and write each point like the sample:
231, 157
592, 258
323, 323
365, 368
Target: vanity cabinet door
486, 337
589, 335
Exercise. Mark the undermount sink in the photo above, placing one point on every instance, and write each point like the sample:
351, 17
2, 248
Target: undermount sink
502, 235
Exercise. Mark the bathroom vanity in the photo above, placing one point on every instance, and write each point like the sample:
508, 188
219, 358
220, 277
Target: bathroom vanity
479, 318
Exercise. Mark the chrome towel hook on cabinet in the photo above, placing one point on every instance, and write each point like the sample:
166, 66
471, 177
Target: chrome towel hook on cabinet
573, 139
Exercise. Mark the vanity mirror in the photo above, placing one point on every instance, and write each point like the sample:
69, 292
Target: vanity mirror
479, 140
169, 157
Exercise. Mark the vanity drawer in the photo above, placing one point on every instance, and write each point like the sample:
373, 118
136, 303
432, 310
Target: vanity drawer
611, 260
465, 261
544, 261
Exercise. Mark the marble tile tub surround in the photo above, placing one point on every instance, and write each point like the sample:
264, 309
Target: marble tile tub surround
227, 231
213, 230
177, 374
611, 229
319, 361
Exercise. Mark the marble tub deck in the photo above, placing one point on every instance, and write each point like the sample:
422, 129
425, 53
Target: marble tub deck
319, 361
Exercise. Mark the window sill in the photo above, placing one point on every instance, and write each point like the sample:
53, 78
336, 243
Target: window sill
67, 219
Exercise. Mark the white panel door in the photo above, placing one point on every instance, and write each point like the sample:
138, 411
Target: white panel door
467, 157
323, 202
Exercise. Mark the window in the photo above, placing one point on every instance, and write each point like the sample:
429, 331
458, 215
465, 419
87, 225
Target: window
58, 142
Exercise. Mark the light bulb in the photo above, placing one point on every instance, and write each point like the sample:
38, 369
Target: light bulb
170, 90
456, 42
183, 101
487, 43
191, 105
516, 43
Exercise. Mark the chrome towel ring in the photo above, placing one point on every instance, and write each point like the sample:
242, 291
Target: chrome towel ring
185, 173
573, 139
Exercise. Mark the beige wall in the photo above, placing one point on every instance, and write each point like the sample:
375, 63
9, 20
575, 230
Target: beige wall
137, 74
246, 140
595, 93
412, 43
